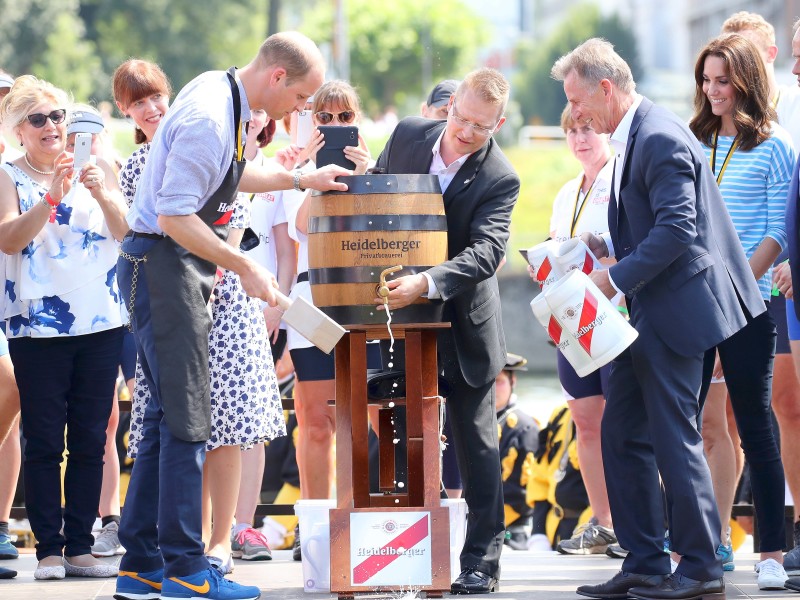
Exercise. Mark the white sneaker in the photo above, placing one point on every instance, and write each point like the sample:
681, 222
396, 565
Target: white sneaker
106, 541
539, 542
771, 575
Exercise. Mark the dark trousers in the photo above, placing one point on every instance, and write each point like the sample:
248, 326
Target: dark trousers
65, 383
649, 428
161, 523
747, 359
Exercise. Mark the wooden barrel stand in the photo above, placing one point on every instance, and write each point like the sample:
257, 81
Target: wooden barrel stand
420, 501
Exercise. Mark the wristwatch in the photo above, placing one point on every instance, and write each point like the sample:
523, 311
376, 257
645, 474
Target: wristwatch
296, 181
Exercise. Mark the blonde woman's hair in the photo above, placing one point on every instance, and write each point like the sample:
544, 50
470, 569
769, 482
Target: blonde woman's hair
750, 21
26, 93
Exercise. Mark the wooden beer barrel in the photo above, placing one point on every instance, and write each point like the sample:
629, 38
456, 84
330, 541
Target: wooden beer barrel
380, 222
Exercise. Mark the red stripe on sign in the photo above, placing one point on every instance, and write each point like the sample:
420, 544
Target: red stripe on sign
554, 329
544, 270
375, 563
588, 264
223, 220
588, 314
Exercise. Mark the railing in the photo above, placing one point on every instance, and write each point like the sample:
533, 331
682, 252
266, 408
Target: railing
541, 135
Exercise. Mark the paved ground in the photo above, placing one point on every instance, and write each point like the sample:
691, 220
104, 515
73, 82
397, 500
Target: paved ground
526, 575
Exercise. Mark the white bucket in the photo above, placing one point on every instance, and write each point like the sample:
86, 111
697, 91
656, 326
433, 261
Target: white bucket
569, 347
315, 540
315, 543
458, 532
591, 319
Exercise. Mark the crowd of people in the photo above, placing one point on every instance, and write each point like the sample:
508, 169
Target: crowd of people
171, 268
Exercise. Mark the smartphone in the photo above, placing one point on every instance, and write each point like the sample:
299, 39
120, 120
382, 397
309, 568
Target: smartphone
336, 138
304, 127
82, 152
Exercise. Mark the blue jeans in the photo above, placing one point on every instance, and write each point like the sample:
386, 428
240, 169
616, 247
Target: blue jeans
162, 519
65, 383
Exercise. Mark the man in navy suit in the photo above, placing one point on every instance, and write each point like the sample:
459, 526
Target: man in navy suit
688, 287
479, 188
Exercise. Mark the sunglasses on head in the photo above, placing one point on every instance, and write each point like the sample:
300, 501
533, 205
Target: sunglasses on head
39, 119
346, 116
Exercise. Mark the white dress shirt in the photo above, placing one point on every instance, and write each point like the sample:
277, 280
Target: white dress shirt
619, 143
446, 173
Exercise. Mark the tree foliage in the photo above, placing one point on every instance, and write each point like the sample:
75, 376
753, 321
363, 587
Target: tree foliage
77, 44
540, 97
388, 47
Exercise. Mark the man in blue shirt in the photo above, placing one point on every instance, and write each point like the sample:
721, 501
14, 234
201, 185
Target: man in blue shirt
179, 223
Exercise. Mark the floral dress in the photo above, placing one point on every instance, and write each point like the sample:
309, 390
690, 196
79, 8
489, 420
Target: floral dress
245, 399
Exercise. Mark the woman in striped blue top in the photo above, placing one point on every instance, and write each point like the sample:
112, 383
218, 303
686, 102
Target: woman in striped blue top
752, 158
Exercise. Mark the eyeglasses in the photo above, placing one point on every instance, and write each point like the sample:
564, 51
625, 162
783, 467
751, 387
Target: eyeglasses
39, 119
477, 129
346, 116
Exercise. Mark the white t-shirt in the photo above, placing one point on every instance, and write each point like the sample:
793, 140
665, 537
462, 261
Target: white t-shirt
266, 211
589, 214
788, 110
292, 201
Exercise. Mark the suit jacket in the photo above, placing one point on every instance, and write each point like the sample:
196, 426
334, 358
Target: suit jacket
792, 231
680, 259
478, 204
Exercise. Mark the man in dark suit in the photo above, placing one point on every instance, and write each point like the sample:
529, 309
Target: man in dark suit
688, 287
480, 188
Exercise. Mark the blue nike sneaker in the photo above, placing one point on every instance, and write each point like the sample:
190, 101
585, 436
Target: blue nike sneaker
208, 584
725, 554
7, 549
139, 586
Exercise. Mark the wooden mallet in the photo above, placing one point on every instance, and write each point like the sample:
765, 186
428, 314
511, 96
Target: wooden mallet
313, 324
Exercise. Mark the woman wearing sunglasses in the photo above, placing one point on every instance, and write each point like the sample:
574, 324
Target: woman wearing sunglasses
336, 104
64, 321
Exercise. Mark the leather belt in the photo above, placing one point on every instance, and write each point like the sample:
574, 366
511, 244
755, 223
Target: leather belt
148, 236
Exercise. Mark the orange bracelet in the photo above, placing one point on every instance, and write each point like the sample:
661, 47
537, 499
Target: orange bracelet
49, 199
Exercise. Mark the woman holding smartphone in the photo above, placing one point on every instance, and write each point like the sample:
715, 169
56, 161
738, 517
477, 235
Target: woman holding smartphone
64, 318
335, 103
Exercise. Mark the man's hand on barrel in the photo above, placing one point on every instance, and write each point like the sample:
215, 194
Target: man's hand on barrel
324, 179
258, 282
404, 291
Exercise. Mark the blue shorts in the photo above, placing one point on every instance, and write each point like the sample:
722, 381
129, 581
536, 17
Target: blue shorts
312, 364
3, 343
792, 324
777, 307
594, 384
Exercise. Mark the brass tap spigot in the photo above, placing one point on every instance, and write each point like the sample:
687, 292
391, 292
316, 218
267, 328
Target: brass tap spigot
383, 289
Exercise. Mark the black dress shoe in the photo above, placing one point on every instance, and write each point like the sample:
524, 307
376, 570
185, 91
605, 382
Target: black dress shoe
680, 587
472, 581
619, 584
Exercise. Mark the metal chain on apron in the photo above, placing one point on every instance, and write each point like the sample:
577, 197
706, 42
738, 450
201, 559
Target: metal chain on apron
134, 280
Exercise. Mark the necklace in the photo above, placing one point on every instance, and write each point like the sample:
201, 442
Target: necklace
728, 156
35, 169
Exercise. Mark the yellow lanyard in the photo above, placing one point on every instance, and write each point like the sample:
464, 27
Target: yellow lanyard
577, 211
728, 156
